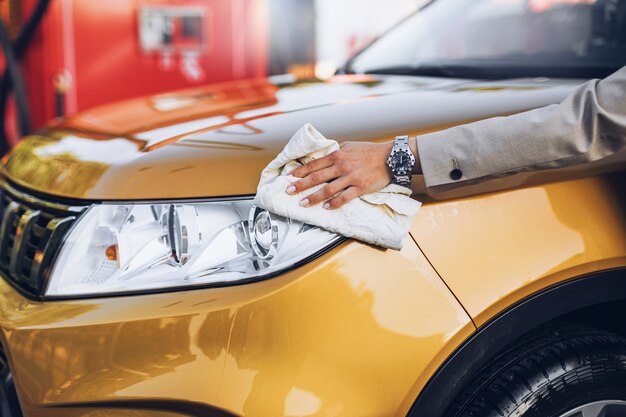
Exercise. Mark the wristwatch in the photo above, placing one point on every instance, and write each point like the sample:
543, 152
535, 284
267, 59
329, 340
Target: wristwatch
401, 161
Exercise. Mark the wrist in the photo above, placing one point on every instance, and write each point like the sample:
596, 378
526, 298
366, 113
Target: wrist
386, 148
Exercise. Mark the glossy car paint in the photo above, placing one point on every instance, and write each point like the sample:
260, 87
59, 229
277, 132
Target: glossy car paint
132, 150
357, 332
314, 341
495, 249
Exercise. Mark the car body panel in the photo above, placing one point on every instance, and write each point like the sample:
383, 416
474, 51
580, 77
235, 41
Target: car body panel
496, 249
124, 151
292, 345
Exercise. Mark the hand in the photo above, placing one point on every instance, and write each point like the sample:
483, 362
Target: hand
357, 168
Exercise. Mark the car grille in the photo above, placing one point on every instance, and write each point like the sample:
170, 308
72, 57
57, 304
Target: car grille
31, 232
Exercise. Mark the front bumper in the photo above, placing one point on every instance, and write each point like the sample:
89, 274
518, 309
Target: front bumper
356, 332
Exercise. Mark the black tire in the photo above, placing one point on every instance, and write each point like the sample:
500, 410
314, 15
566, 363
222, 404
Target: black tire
548, 374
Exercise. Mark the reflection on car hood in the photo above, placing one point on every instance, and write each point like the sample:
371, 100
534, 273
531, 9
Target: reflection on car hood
215, 141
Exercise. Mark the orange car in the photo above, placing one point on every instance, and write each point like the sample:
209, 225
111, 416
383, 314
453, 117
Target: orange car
139, 280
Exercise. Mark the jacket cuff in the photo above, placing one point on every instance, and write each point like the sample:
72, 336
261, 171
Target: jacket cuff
445, 163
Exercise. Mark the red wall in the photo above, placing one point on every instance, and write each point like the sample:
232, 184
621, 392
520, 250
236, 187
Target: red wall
97, 43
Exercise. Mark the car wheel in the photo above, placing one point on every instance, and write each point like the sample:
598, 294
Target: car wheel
556, 372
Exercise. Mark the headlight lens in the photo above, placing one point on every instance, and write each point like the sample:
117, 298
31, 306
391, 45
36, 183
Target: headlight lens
137, 247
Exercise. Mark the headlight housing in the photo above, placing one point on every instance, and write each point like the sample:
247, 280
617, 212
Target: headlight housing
122, 248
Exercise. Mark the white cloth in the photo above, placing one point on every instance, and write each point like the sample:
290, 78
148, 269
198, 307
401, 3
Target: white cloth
382, 218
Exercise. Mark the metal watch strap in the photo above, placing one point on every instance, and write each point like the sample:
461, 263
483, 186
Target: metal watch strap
401, 144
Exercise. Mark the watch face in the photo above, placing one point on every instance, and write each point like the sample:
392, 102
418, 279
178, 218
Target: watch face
399, 159
400, 163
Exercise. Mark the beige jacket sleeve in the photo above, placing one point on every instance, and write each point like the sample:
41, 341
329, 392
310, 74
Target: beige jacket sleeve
588, 125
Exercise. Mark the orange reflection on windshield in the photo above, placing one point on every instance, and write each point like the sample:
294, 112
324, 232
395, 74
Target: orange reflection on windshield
539, 6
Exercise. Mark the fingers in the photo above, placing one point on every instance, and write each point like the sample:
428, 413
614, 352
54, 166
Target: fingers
315, 165
326, 192
347, 195
313, 179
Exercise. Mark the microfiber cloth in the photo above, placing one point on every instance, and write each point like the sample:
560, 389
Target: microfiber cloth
382, 218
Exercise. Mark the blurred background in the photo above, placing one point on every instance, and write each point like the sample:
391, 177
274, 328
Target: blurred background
64, 56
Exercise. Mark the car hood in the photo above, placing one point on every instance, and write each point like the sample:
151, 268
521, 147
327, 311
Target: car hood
216, 140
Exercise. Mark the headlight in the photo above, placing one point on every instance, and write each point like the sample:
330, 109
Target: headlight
137, 247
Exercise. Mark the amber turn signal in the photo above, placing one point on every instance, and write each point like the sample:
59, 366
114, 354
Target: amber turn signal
111, 253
